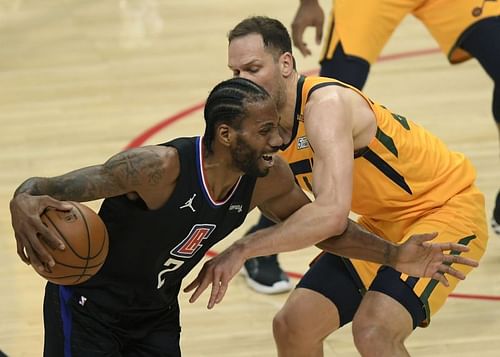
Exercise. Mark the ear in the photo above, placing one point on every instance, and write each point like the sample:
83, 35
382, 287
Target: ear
225, 134
286, 64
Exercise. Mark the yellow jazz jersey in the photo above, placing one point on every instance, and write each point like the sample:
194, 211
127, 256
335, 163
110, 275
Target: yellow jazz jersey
404, 172
406, 182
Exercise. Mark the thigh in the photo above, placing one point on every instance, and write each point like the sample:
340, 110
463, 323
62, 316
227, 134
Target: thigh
159, 343
462, 220
449, 20
334, 280
364, 26
403, 302
156, 335
69, 332
386, 314
482, 42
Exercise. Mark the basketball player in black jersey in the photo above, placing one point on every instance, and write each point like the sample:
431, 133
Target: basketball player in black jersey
164, 207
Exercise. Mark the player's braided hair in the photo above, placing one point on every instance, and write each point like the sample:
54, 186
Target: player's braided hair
227, 104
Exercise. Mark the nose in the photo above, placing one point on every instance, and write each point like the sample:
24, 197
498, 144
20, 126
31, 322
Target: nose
276, 140
244, 75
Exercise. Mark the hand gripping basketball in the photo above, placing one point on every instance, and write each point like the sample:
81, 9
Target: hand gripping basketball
86, 239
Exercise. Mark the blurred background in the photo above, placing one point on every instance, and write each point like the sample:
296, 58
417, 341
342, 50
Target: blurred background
82, 80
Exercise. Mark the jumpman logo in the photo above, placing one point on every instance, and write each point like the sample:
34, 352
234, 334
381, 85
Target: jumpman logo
189, 203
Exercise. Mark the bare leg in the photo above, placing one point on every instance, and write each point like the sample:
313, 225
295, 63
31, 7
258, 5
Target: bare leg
381, 326
302, 324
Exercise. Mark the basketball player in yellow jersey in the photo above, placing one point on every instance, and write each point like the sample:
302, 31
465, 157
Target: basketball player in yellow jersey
359, 29
353, 154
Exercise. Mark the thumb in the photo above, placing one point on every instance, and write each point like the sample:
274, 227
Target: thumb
191, 286
58, 205
424, 237
319, 33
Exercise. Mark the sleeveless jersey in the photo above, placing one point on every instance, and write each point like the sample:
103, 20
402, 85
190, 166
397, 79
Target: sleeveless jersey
151, 251
404, 172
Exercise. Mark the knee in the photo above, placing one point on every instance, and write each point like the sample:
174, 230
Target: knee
284, 328
375, 338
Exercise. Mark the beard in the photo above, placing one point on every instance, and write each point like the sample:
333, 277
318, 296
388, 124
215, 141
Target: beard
247, 159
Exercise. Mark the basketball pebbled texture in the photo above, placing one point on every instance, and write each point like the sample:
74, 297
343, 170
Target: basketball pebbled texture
86, 239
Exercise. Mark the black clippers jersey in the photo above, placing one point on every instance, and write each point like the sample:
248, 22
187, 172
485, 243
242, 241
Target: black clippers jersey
151, 251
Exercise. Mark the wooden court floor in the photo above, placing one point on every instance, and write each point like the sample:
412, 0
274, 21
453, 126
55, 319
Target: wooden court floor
81, 80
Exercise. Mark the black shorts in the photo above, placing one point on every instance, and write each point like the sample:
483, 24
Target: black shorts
77, 327
335, 278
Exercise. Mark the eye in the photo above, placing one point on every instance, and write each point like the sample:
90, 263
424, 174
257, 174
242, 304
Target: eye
265, 130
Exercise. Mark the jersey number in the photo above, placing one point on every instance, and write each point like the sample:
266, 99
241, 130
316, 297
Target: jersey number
171, 264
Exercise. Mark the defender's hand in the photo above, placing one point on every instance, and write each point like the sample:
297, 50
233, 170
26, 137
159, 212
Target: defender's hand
419, 257
308, 14
25, 212
218, 271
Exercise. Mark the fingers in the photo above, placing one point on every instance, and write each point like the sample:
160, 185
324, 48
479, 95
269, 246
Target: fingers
319, 32
441, 278
50, 202
297, 38
208, 276
53, 240
446, 268
40, 256
21, 252
424, 237
33, 258
200, 283
32, 251
302, 46
454, 247
219, 289
457, 259
191, 285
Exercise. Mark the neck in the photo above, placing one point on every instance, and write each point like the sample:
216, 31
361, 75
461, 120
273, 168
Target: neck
287, 109
219, 175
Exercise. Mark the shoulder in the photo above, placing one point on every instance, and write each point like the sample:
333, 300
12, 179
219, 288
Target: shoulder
150, 162
155, 171
167, 157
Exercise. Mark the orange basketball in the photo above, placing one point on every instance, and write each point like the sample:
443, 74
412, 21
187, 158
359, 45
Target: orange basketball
86, 239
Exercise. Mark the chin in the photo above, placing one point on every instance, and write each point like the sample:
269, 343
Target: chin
263, 172
258, 172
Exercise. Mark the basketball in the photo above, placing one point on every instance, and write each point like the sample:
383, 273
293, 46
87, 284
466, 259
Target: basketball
86, 239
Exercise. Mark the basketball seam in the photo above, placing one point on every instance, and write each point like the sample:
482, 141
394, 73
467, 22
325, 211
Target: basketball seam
88, 242
85, 270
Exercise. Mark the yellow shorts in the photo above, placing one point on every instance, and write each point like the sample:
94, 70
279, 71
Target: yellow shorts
461, 220
364, 26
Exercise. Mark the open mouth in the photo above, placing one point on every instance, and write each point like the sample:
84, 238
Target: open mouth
268, 159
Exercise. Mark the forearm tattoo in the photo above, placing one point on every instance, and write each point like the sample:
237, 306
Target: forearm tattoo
123, 173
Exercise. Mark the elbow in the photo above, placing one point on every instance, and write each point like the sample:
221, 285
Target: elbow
27, 187
337, 229
336, 223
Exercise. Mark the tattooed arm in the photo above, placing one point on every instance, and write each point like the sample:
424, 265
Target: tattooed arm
149, 172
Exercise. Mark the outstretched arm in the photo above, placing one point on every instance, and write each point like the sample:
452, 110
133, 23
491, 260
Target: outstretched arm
417, 256
139, 171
